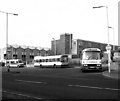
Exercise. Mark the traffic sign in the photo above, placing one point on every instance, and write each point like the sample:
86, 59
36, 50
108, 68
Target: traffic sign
108, 47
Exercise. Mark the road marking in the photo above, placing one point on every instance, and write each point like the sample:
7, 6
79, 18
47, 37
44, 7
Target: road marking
30, 81
93, 87
21, 94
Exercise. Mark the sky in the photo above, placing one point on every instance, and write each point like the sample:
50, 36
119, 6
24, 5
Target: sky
39, 21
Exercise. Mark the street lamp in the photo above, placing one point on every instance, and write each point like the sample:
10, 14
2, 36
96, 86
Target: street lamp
54, 45
107, 19
113, 36
108, 47
7, 30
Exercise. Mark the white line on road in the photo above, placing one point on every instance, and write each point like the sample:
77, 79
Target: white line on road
30, 81
93, 87
29, 96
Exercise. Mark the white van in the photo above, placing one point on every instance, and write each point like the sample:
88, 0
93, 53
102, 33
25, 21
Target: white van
14, 63
116, 57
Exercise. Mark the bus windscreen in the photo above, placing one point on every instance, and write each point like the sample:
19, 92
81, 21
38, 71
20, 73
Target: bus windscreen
91, 55
64, 58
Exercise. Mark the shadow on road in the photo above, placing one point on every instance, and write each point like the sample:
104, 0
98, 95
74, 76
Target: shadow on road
95, 71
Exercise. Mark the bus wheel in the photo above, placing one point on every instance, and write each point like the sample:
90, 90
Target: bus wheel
54, 66
40, 66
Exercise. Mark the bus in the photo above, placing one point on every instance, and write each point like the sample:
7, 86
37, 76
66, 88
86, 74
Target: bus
51, 61
14, 63
91, 59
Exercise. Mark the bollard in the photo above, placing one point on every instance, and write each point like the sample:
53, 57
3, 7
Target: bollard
8, 70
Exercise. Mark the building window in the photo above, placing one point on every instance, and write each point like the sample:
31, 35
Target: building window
15, 56
31, 57
5, 56
80, 43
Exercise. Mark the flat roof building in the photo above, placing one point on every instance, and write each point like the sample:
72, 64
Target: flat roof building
62, 45
67, 45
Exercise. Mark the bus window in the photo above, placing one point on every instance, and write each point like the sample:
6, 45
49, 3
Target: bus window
7, 62
53, 60
50, 60
12, 62
43, 60
64, 59
20, 61
40, 60
58, 59
46, 60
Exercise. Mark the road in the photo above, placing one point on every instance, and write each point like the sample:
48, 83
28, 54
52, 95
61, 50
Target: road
67, 83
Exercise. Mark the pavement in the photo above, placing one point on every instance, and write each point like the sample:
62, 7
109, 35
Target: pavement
114, 71
112, 74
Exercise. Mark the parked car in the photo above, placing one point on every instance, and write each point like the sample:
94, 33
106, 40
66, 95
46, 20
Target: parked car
116, 57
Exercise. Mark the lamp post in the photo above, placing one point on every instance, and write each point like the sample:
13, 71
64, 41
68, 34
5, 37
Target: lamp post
113, 36
71, 44
54, 45
108, 47
107, 19
7, 30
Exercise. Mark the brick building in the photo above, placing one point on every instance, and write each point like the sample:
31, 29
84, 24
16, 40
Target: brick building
25, 53
67, 45
64, 45
78, 45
